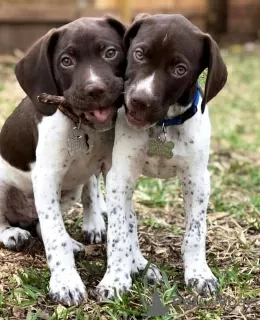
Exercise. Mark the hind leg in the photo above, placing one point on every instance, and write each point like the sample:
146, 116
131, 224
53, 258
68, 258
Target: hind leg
94, 227
13, 238
101, 200
69, 198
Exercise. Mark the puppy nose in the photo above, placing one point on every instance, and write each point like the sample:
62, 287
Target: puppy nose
95, 91
140, 101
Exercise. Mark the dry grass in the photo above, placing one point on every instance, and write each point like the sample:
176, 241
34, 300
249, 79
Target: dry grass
233, 223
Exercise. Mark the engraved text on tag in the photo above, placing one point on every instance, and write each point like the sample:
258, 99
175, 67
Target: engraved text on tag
77, 142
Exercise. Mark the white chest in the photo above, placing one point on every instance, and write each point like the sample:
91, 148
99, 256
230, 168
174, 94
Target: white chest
83, 165
158, 166
188, 147
191, 147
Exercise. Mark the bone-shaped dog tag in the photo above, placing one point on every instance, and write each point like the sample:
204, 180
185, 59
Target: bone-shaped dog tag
77, 142
157, 147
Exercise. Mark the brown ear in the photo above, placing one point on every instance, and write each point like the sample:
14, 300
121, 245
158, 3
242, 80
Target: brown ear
217, 70
141, 16
133, 29
116, 24
34, 71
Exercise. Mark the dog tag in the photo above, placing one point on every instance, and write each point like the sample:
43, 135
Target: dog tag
157, 147
160, 147
77, 142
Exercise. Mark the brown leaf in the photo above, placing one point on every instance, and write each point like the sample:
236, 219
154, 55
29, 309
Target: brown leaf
217, 216
18, 313
161, 250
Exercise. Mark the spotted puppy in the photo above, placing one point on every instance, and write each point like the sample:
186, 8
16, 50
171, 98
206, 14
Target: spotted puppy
49, 153
163, 132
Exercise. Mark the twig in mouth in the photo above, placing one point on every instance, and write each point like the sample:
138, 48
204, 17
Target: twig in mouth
51, 99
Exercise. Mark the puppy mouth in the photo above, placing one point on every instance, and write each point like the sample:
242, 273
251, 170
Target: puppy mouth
100, 115
100, 119
134, 121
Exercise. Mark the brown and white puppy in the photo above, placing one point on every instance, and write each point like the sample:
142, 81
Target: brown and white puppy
43, 166
163, 132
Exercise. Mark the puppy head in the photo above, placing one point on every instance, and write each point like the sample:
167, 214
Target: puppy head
166, 55
84, 61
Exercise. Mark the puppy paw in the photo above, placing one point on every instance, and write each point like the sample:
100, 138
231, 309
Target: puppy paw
152, 274
67, 288
95, 237
112, 286
202, 281
78, 248
204, 287
95, 231
15, 238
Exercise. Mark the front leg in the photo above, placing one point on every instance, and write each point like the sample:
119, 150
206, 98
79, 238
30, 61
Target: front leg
52, 162
139, 263
119, 248
127, 160
68, 199
196, 191
66, 286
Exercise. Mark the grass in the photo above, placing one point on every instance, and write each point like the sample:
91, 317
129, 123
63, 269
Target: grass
233, 241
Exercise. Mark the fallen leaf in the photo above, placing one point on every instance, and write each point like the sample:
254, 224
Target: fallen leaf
217, 216
18, 313
160, 250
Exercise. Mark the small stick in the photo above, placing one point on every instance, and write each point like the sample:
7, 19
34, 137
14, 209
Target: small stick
50, 99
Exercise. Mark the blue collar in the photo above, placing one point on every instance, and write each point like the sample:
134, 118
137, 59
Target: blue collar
184, 116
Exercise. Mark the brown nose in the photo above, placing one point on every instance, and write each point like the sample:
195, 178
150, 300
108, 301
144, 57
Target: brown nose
141, 100
95, 91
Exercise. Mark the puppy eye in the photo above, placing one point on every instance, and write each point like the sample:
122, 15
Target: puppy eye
138, 54
110, 53
66, 62
180, 70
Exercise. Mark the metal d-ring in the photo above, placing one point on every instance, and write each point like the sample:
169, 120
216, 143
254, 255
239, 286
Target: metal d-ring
78, 128
164, 132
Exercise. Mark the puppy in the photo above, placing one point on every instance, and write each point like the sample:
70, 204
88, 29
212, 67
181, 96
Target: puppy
163, 132
49, 153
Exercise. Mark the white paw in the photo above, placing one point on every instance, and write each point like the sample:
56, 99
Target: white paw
67, 288
113, 285
77, 246
201, 279
15, 238
95, 230
140, 264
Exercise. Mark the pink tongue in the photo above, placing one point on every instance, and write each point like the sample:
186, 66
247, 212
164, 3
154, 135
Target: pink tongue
102, 113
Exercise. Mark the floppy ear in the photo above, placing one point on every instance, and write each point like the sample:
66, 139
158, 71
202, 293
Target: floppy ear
217, 70
133, 29
116, 24
141, 16
34, 71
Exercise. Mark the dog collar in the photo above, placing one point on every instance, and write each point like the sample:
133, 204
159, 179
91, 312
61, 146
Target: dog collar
178, 120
